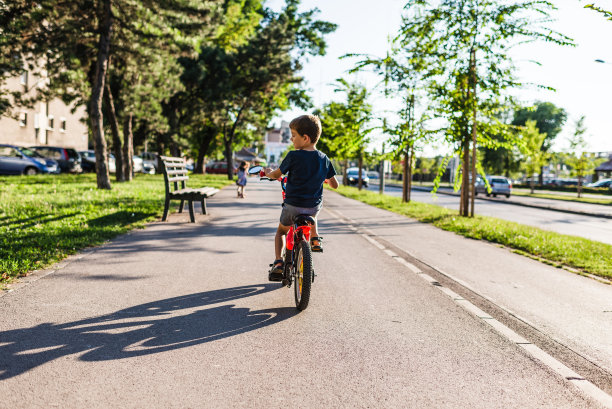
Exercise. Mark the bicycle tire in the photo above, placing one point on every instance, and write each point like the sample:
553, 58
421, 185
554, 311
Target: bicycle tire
303, 275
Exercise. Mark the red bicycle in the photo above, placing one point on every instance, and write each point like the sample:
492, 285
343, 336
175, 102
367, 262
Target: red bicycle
296, 254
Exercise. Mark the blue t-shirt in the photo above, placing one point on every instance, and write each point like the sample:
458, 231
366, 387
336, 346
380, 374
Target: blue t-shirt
306, 170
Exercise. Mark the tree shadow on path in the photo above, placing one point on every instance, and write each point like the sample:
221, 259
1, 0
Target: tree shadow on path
145, 329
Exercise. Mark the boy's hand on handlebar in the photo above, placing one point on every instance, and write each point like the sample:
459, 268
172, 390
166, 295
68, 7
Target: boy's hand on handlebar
273, 174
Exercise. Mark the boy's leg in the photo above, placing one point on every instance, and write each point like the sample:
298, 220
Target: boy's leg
281, 232
276, 272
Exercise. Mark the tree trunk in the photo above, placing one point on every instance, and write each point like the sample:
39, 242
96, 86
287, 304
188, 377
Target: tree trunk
227, 141
465, 179
119, 166
579, 186
199, 168
381, 171
359, 172
161, 150
128, 148
345, 181
541, 176
409, 174
405, 198
474, 132
97, 91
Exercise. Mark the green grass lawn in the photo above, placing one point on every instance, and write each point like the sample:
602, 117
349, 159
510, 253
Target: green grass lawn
560, 250
45, 218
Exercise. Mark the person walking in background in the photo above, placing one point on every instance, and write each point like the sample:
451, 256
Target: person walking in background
242, 179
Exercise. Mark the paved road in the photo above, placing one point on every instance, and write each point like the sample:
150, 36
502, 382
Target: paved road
180, 315
594, 228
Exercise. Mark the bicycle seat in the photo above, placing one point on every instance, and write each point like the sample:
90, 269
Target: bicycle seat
304, 220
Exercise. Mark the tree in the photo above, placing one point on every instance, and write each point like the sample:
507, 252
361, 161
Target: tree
549, 120
424, 166
468, 42
405, 71
76, 47
578, 159
531, 147
253, 79
346, 126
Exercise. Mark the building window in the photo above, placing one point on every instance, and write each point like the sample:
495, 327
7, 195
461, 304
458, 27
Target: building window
23, 119
62, 124
24, 78
51, 122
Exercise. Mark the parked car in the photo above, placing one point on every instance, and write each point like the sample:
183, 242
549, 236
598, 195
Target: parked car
142, 166
353, 176
68, 159
562, 182
16, 160
149, 162
601, 183
500, 185
88, 161
219, 168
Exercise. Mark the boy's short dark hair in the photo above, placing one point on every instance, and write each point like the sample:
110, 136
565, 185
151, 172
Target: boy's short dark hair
307, 125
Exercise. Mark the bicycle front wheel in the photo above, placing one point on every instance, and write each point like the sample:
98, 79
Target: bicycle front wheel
303, 275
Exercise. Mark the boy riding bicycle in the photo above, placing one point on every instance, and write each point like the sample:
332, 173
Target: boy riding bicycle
307, 170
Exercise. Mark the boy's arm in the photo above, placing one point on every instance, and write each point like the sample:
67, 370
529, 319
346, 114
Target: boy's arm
273, 174
333, 182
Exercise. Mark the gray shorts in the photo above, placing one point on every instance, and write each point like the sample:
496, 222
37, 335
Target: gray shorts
289, 212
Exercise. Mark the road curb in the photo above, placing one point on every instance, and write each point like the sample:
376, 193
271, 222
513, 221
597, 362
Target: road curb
509, 201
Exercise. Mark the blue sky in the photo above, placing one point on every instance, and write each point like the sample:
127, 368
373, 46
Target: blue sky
583, 87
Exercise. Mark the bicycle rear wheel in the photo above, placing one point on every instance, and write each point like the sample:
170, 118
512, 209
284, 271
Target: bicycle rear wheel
303, 275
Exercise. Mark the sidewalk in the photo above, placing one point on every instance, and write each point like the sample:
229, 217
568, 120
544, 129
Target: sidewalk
572, 310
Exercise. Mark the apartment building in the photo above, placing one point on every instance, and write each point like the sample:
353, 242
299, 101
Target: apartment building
277, 140
46, 123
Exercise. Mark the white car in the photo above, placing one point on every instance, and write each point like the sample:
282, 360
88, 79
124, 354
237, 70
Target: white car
601, 183
143, 166
500, 185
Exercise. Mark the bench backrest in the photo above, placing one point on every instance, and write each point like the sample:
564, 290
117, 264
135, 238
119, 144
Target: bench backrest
175, 171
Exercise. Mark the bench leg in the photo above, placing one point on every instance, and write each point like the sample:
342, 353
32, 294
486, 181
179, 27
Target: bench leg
204, 206
191, 215
181, 206
166, 206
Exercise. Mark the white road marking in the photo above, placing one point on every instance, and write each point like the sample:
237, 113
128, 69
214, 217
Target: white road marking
585, 386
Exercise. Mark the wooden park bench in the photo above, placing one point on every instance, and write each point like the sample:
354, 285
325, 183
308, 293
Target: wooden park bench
175, 171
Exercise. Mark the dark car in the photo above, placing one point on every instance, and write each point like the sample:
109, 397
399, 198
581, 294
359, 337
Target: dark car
353, 177
563, 182
15, 160
219, 168
88, 161
68, 159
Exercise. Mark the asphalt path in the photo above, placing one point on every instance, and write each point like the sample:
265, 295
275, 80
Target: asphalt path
181, 315
590, 227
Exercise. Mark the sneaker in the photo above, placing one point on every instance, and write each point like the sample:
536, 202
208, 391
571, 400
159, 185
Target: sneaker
276, 271
316, 248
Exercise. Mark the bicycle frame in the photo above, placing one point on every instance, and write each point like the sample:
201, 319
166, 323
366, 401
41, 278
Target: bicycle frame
295, 234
